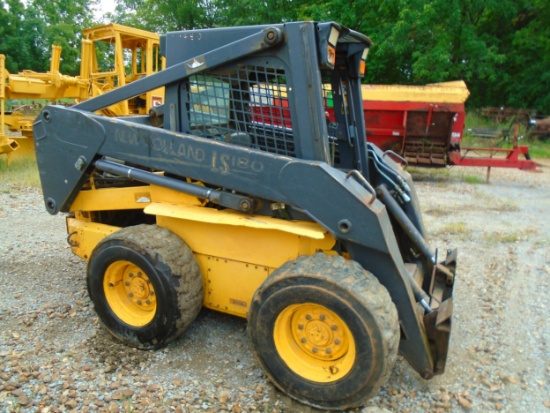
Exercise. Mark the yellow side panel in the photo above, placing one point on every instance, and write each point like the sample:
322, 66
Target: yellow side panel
229, 285
230, 217
112, 199
267, 247
235, 260
136, 197
84, 236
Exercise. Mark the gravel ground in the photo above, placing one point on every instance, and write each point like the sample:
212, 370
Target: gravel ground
55, 356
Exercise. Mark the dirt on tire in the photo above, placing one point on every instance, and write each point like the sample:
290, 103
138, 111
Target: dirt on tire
173, 271
336, 284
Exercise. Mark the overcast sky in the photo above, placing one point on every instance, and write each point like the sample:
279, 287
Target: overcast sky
105, 6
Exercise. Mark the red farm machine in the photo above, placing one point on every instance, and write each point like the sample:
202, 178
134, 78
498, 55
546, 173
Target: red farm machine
424, 125
421, 125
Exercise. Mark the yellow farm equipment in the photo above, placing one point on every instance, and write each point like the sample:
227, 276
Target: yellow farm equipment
111, 56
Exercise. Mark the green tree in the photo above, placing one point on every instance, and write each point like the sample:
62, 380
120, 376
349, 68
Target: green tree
166, 15
58, 22
245, 12
14, 42
527, 83
501, 48
28, 32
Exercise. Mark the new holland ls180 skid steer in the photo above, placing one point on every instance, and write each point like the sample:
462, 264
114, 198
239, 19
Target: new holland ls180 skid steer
252, 191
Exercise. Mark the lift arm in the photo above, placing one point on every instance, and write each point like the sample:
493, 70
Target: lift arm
257, 42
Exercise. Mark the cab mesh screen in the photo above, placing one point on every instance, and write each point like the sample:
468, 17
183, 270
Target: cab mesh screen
247, 105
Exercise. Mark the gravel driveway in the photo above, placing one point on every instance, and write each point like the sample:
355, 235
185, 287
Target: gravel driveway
55, 356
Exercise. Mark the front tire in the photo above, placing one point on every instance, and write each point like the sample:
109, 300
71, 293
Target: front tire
325, 331
145, 284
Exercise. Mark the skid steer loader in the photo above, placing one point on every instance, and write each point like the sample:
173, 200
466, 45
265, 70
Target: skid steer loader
252, 191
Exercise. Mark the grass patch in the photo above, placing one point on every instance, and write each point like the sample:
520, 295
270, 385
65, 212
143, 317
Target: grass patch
537, 148
444, 175
502, 238
504, 207
472, 179
438, 211
429, 174
458, 230
474, 119
499, 237
21, 172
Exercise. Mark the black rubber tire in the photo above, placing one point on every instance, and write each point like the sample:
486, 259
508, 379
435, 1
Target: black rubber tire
173, 272
354, 295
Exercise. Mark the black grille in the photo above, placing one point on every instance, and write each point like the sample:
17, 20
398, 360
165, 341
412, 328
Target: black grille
246, 105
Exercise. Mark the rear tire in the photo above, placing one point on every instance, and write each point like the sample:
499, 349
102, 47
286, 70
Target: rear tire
325, 331
145, 284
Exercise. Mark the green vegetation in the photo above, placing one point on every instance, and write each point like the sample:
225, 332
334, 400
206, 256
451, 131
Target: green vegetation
29, 28
472, 179
501, 49
429, 174
22, 172
12, 105
538, 148
444, 175
509, 237
459, 230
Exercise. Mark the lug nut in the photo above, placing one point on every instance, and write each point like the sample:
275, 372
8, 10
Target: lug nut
303, 340
127, 283
333, 327
308, 317
139, 274
139, 302
152, 293
322, 317
300, 326
131, 274
130, 295
336, 341
315, 349
328, 351
147, 302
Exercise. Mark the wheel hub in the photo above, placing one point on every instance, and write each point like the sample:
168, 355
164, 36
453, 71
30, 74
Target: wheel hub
319, 333
130, 293
314, 342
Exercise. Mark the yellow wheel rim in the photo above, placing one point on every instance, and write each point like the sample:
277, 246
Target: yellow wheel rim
314, 342
129, 293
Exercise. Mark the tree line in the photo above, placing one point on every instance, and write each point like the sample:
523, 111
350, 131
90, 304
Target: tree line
500, 48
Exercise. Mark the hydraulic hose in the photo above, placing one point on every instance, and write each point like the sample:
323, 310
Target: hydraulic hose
378, 164
412, 233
